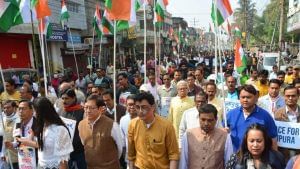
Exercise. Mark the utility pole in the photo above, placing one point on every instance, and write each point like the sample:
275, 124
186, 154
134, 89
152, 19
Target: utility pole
281, 29
281, 22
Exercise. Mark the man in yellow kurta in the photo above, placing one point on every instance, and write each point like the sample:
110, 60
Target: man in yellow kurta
151, 138
10, 93
262, 84
179, 104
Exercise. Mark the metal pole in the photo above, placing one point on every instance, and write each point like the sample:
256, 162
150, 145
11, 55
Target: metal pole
48, 60
145, 44
100, 49
74, 55
115, 84
281, 28
35, 55
43, 60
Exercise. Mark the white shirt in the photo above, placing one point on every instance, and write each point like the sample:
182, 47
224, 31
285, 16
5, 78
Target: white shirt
57, 146
292, 116
190, 119
271, 106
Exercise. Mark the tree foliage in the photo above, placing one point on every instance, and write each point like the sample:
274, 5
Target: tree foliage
262, 28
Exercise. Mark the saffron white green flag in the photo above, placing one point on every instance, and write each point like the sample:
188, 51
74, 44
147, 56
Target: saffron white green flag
107, 24
160, 12
14, 13
220, 11
125, 24
64, 14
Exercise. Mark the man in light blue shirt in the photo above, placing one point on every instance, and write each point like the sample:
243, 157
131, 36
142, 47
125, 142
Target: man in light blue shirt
131, 113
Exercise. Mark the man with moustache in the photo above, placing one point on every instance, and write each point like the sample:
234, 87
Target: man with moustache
205, 146
289, 113
190, 117
100, 136
151, 139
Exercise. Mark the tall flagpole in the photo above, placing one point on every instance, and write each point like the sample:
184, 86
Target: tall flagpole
115, 84
4, 134
48, 60
92, 47
159, 47
74, 55
155, 47
217, 46
145, 44
100, 49
216, 39
43, 59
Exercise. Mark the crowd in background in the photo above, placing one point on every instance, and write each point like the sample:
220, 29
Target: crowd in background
175, 118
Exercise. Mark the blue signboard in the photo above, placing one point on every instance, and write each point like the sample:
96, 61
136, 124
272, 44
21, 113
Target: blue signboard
75, 38
58, 33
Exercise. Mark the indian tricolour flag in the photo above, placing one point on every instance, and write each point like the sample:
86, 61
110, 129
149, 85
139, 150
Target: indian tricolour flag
237, 32
119, 9
44, 27
14, 13
126, 24
240, 60
64, 14
220, 11
160, 11
107, 24
97, 21
140, 3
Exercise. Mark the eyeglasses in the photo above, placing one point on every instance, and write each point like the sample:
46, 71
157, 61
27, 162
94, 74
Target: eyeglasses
130, 105
89, 108
22, 108
143, 108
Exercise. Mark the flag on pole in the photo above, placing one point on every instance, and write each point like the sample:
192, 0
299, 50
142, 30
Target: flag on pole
160, 12
119, 9
64, 14
237, 32
14, 13
220, 11
44, 27
41, 7
240, 60
228, 28
140, 3
107, 24
97, 21
126, 24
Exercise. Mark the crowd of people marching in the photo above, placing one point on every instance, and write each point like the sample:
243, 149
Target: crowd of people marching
177, 117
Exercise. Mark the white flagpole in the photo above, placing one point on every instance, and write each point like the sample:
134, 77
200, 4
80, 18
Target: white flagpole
100, 49
91, 60
74, 55
217, 46
4, 135
2, 77
48, 60
155, 47
159, 48
43, 59
145, 44
115, 84
216, 39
